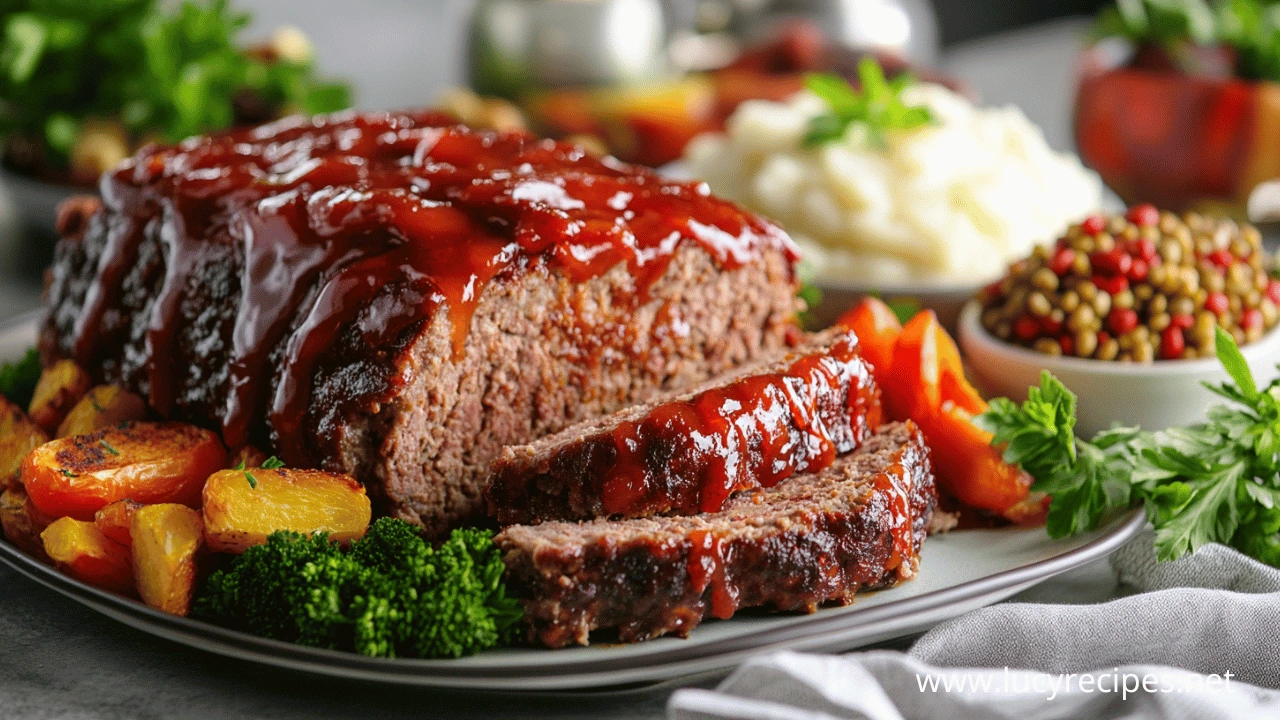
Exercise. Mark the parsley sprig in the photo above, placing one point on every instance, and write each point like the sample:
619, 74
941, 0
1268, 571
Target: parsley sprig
877, 106
1216, 482
271, 463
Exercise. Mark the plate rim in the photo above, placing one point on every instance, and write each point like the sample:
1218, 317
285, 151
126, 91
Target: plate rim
571, 673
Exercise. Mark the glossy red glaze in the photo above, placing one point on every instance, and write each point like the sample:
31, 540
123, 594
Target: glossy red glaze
329, 212
741, 433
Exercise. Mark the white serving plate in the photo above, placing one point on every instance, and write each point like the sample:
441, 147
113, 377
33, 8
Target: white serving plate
959, 572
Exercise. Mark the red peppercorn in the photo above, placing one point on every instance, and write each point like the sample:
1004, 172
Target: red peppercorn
1122, 320
1138, 270
1112, 284
1172, 343
1251, 319
1103, 337
1061, 261
1186, 322
1144, 215
1111, 262
1273, 291
1093, 224
1217, 303
1050, 326
1026, 327
1221, 257
1067, 343
1144, 248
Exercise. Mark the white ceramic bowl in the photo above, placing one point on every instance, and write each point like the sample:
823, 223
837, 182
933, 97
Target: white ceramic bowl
1152, 396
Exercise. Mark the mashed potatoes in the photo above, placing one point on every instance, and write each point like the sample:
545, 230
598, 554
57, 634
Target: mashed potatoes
948, 204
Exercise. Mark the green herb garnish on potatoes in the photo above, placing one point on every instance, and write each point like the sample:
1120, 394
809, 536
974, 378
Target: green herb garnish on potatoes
390, 595
1216, 482
878, 106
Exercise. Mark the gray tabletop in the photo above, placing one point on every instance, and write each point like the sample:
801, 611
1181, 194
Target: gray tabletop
61, 660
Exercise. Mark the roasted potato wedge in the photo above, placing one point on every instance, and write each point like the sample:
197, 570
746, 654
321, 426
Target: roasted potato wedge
116, 521
18, 436
242, 507
249, 455
80, 549
146, 462
166, 540
101, 407
22, 523
60, 387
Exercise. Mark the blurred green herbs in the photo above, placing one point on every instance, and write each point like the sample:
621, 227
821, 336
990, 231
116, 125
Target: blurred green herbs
157, 71
877, 106
1249, 28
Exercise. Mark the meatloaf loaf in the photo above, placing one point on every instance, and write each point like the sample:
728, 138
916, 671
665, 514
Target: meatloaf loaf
687, 452
398, 297
813, 539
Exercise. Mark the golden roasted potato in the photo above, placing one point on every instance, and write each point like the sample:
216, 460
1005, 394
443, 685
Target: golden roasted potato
80, 550
166, 539
144, 461
242, 507
116, 521
249, 455
22, 523
18, 436
103, 406
60, 387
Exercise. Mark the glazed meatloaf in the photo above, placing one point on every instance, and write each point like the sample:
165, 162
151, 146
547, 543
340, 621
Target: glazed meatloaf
398, 297
813, 539
688, 452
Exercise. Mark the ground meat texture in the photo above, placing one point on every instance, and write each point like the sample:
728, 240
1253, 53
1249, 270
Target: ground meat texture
816, 538
687, 452
398, 297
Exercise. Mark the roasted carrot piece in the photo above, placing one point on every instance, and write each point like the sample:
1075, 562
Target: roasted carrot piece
146, 462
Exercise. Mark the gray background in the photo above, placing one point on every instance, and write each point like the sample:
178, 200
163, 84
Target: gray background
60, 660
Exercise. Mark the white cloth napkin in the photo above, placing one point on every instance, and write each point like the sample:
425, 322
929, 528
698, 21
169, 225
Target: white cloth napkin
1200, 640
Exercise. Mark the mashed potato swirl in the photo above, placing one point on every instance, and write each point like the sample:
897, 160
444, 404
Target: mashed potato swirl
947, 204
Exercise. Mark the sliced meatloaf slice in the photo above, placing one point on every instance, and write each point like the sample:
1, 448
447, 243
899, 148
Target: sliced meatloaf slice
398, 297
688, 451
814, 539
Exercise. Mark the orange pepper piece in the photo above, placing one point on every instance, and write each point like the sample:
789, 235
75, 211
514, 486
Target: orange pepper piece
877, 329
969, 468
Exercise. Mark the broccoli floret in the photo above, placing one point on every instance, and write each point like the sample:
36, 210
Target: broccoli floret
390, 595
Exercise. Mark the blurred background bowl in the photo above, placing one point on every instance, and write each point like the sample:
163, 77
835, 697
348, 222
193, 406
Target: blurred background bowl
1179, 140
1152, 396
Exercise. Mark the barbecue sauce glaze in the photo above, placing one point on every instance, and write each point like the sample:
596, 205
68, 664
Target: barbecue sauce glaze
373, 221
691, 456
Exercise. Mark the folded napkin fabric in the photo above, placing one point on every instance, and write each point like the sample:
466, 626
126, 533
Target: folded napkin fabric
1200, 639
885, 685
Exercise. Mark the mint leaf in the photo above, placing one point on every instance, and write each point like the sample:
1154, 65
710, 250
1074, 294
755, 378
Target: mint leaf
272, 463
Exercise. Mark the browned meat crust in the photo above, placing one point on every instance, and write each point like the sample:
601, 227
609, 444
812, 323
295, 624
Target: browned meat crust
813, 539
